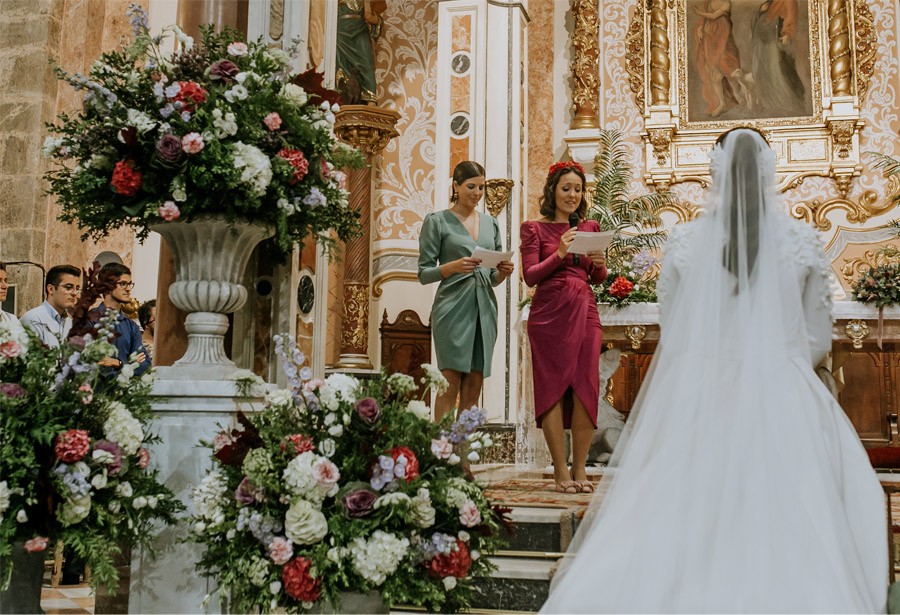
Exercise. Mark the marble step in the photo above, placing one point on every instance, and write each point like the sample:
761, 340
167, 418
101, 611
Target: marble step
518, 584
538, 529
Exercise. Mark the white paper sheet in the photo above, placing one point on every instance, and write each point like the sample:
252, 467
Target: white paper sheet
590, 241
491, 258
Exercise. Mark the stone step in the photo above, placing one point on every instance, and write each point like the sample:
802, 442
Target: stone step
518, 584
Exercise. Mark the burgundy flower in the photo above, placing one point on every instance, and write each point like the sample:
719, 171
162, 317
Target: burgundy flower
226, 70
368, 410
113, 449
169, 149
11, 389
359, 503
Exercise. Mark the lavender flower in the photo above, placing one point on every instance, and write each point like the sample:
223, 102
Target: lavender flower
315, 198
642, 262
73, 480
467, 423
140, 23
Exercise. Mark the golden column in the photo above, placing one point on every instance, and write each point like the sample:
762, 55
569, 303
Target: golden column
369, 129
585, 64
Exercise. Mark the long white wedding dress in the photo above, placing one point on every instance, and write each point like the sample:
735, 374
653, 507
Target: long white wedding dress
739, 485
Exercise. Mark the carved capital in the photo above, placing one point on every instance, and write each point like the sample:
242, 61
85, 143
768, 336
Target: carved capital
842, 136
366, 127
661, 140
497, 193
585, 64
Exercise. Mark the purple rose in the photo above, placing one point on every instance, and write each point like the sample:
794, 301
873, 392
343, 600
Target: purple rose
358, 503
113, 467
169, 149
368, 410
11, 389
247, 493
226, 70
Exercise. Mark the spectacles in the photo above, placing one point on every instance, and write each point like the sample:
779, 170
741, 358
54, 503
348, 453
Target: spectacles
69, 288
125, 285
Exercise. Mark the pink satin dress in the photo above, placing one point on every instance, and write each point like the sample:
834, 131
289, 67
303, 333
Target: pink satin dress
563, 323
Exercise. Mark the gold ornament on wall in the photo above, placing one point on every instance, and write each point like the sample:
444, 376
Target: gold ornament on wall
839, 48
497, 194
853, 268
634, 57
585, 66
366, 127
816, 211
659, 53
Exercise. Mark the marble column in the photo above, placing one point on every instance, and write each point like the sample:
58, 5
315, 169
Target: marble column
369, 129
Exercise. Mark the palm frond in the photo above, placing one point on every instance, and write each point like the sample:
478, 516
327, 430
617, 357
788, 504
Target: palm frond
889, 165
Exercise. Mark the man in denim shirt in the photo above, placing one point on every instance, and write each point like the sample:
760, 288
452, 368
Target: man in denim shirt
128, 334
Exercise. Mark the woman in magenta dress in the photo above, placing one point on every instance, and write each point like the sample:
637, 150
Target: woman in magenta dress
563, 323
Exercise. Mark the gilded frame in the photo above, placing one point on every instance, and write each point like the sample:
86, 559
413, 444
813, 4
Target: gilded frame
842, 43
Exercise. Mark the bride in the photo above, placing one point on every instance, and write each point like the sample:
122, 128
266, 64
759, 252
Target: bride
739, 485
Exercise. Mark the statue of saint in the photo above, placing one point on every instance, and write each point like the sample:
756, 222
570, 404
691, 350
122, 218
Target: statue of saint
359, 22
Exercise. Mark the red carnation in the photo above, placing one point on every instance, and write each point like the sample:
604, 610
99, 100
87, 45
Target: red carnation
126, 180
72, 446
190, 95
296, 159
620, 287
297, 581
412, 464
301, 442
453, 564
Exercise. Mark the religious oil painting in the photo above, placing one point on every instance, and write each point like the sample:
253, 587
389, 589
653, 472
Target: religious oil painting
748, 60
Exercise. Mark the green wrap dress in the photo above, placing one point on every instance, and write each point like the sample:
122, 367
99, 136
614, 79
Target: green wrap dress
464, 313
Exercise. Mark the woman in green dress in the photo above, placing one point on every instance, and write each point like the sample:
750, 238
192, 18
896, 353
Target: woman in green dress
464, 314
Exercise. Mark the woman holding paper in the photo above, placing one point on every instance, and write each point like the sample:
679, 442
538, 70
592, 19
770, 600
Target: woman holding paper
563, 323
464, 313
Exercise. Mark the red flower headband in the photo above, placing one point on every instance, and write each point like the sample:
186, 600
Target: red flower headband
564, 165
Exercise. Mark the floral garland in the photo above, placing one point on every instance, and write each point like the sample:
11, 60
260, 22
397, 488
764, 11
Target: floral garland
345, 485
564, 164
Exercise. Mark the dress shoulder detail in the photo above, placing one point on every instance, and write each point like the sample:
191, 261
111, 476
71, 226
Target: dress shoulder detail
801, 244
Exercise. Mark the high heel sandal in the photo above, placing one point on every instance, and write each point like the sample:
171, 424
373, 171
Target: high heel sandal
567, 486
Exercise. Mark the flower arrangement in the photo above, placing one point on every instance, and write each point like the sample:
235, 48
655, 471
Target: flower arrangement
217, 128
344, 485
630, 281
880, 285
74, 458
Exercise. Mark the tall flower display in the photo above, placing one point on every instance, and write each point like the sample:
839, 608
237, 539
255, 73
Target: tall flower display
219, 127
345, 485
75, 464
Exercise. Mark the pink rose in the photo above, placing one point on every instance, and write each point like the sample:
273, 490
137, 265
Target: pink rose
36, 545
237, 49
280, 551
169, 211
272, 121
442, 448
192, 143
222, 439
469, 515
87, 393
143, 458
326, 473
10, 349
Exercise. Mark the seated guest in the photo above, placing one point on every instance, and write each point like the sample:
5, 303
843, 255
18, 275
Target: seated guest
147, 318
4, 286
50, 320
128, 334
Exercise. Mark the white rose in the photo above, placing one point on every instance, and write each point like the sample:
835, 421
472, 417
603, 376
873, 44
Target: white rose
152, 501
454, 459
124, 490
99, 481
139, 502
336, 430
295, 94
420, 409
21, 516
304, 524
449, 582
199, 527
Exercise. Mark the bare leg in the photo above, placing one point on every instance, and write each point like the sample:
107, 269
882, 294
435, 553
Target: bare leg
470, 389
446, 402
552, 426
582, 433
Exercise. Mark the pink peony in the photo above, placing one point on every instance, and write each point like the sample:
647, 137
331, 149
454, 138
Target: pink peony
192, 142
280, 551
35, 545
237, 49
442, 449
326, 473
10, 349
272, 121
469, 515
72, 445
169, 211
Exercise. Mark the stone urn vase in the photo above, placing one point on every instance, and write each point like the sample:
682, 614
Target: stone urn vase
210, 256
24, 592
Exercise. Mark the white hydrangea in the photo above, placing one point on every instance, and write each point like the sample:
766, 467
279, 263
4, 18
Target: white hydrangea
304, 523
4, 497
258, 571
123, 429
338, 387
255, 166
455, 497
420, 409
401, 384
142, 122
13, 341
421, 512
279, 397
209, 495
303, 477
392, 499
377, 559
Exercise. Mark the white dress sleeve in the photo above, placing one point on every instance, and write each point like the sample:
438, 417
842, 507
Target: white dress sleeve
673, 263
817, 300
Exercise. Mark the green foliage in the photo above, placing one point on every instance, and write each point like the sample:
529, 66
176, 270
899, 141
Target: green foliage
318, 447
232, 116
880, 285
93, 502
635, 222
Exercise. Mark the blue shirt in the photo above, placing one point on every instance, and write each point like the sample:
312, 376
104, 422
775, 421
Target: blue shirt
128, 340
